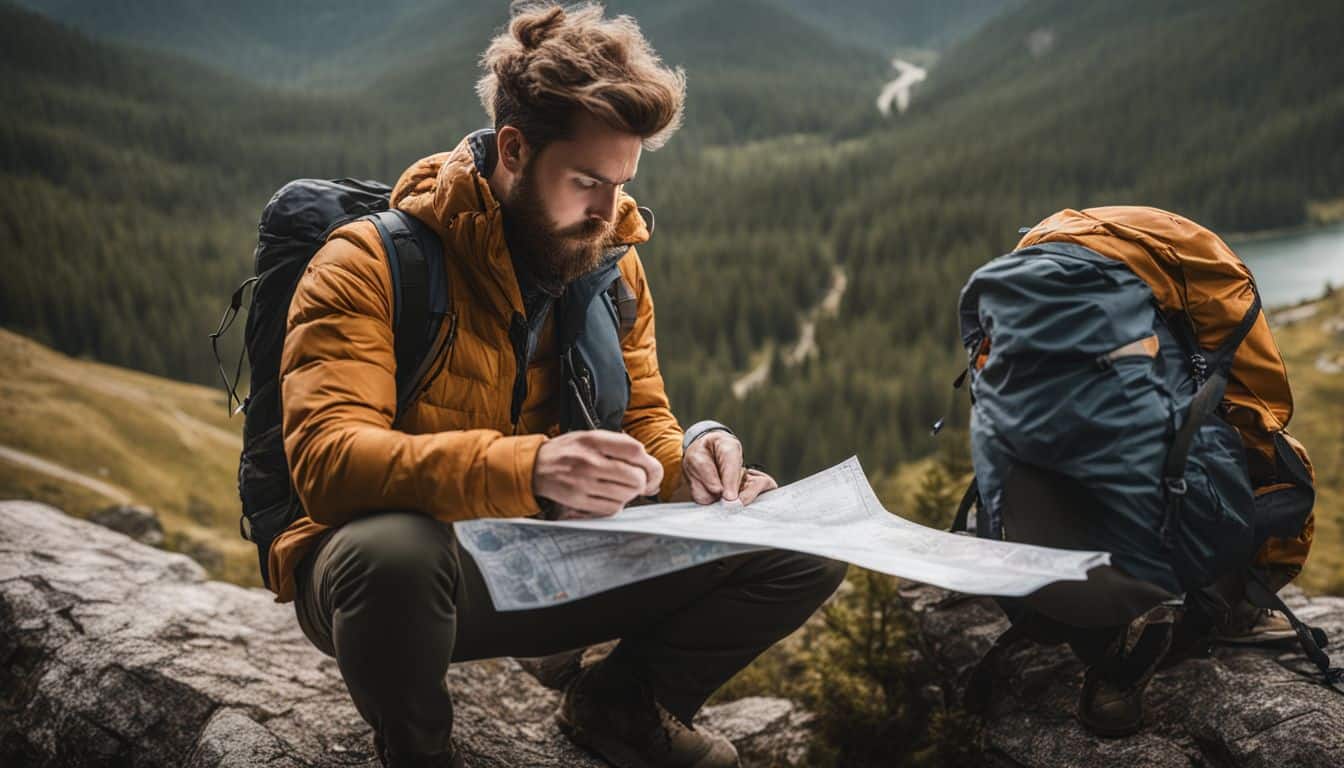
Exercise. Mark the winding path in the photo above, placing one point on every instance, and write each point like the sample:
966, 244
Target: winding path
805, 347
898, 90
63, 473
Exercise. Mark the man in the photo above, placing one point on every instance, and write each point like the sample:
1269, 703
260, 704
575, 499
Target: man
535, 227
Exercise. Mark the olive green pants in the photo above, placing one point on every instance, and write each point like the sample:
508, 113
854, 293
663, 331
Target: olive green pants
395, 599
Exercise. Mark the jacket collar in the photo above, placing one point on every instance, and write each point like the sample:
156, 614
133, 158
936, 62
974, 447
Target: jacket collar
449, 191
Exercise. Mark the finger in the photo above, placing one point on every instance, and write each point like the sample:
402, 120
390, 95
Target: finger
611, 472
570, 513
728, 456
757, 484
699, 466
653, 472
620, 446
655, 484
589, 504
648, 471
617, 445
602, 505
619, 492
699, 493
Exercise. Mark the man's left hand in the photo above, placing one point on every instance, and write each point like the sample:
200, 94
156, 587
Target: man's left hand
713, 469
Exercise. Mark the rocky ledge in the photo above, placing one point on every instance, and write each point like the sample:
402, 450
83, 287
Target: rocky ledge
117, 653
1240, 706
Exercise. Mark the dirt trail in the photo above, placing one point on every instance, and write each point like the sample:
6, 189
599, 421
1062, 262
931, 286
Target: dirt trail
805, 347
29, 461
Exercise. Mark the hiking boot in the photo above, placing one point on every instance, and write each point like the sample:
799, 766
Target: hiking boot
450, 759
610, 711
1109, 710
1248, 625
1110, 703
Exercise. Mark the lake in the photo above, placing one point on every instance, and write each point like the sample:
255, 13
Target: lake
1290, 268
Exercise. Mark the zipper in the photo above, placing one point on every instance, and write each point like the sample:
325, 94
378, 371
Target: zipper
578, 378
583, 405
434, 362
518, 338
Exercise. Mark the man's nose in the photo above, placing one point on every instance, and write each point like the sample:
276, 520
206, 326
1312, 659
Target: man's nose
603, 206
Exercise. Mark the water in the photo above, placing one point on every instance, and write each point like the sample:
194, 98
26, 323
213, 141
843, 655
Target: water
1290, 268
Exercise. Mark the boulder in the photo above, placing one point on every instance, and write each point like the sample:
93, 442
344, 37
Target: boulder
1239, 706
116, 653
139, 522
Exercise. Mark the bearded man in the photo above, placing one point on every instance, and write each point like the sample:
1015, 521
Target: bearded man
519, 418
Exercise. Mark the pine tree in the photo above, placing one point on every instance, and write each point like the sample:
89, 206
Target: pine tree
937, 497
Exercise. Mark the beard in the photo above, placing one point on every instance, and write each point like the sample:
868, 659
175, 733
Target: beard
555, 256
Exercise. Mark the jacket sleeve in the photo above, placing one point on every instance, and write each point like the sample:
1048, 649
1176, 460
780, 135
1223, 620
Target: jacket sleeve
338, 388
648, 418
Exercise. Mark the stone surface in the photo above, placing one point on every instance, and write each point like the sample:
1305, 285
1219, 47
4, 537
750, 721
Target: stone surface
1240, 706
112, 652
139, 522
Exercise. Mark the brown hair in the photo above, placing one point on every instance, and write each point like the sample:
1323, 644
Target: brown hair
554, 60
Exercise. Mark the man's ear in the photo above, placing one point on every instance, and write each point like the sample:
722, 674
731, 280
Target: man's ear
512, 148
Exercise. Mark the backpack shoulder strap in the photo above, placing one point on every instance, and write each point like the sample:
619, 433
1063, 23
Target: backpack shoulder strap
626, 304
420, 299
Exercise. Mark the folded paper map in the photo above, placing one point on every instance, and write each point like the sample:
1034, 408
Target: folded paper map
529, 563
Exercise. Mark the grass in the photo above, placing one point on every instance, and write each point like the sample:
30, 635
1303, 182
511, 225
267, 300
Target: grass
1310, 345
166, 444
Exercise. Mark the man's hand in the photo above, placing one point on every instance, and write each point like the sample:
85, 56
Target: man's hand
713, 469
594, 473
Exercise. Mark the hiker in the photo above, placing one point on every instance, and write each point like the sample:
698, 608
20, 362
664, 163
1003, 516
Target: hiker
537, 402
1128, 397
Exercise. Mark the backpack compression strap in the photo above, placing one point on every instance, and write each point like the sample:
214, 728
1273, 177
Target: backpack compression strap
1312, 639
1206, 400
969, 499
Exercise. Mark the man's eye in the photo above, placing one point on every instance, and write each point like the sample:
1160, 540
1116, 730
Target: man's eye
586, 183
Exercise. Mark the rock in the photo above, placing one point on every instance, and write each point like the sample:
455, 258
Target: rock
115, 653
767, 731
1241, 706
139, 522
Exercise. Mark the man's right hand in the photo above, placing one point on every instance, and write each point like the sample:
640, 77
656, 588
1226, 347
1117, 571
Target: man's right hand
594, 473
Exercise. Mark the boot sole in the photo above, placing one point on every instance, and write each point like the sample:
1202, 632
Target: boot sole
1110, 732
1264, 639
617, 755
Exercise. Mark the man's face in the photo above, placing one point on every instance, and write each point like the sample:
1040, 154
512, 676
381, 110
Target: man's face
561, 210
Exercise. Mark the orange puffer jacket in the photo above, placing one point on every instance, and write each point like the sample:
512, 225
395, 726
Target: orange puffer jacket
456, 454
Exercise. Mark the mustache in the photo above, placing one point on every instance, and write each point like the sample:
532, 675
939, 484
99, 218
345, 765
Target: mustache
591, 230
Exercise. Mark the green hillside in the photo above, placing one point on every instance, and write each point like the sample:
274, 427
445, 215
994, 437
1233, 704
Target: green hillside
329, 42
886, 26
146, 174
1150, 103
1311, 338
83, 435
291, 42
